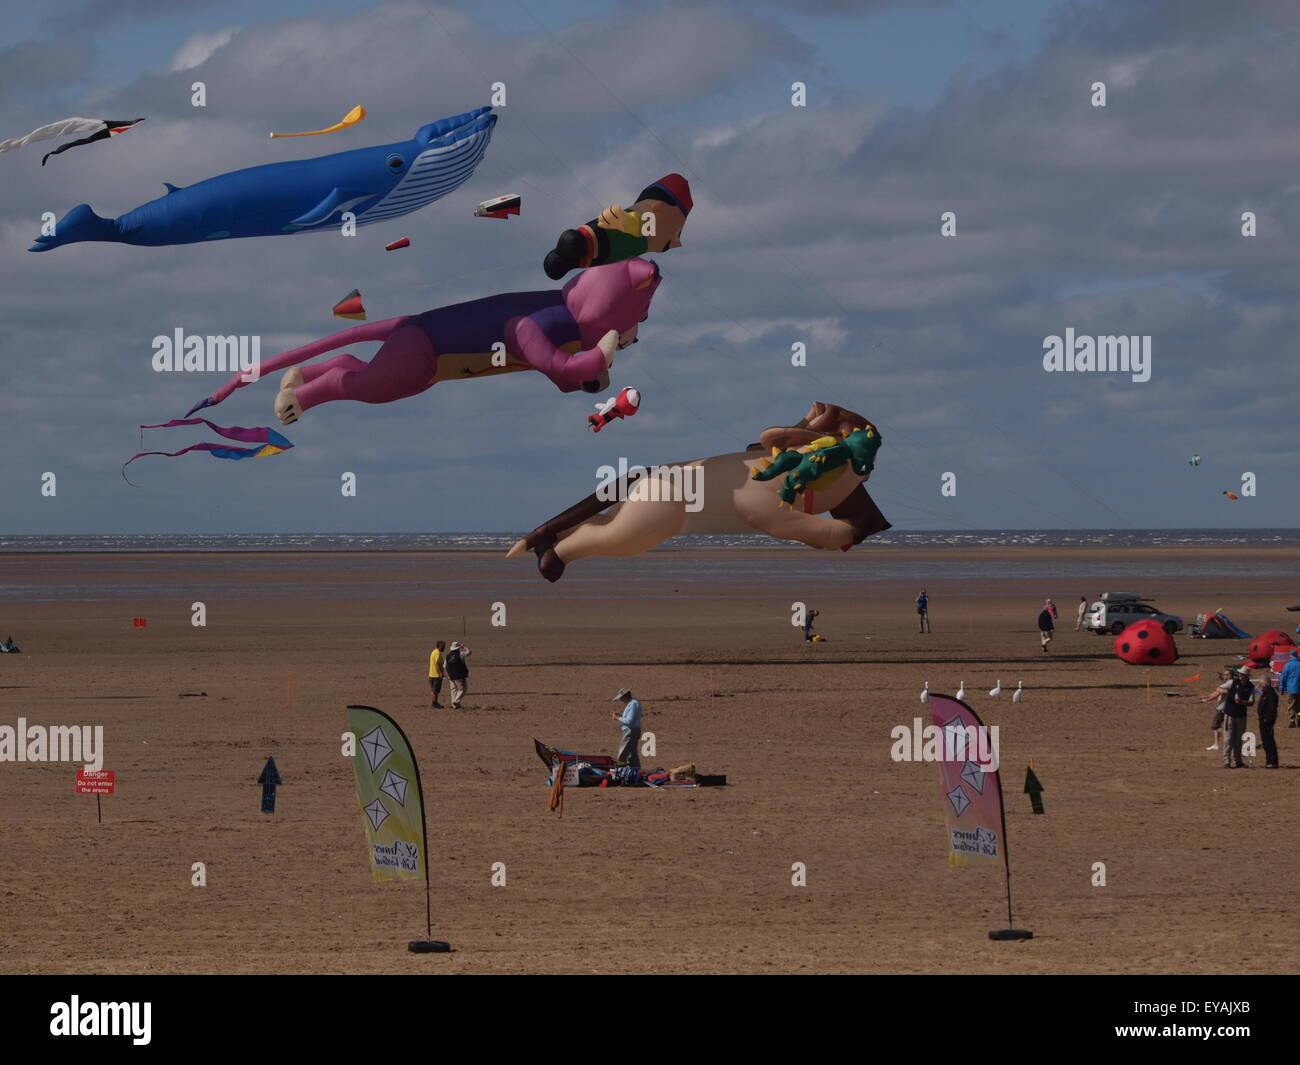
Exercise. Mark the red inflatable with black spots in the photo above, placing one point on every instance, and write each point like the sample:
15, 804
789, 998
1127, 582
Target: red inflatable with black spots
1145, 643
1261, 647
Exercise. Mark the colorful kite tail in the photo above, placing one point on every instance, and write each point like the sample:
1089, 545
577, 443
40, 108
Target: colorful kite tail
272, 443
356, 335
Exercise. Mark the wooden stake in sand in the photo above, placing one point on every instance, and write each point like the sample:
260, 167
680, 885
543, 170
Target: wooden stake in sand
289, 700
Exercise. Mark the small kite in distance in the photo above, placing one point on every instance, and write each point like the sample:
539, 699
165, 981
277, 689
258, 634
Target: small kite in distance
1195, 460
1231, 495
350, 119
400, 242
98, 128
499, 207
350, 306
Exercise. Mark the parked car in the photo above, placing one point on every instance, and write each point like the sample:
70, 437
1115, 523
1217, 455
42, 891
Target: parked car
1116, 611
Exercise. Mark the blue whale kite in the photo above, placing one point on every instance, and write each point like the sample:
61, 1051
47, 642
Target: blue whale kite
375, 184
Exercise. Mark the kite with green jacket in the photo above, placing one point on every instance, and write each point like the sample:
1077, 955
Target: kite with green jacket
805, 466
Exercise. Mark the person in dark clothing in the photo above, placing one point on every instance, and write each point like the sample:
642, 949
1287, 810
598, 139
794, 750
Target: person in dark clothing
808, 624
1045, 627
1234, 718
457, 669
1267, 719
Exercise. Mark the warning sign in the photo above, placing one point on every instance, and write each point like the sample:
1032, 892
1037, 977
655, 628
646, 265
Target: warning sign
96, 781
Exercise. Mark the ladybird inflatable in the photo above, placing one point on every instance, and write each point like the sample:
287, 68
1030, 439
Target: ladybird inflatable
1145, 643
1261, 647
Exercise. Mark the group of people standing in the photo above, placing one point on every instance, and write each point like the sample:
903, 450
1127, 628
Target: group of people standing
1236, 693
451, 665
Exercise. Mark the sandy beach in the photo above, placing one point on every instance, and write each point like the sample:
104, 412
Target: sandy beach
1198, 861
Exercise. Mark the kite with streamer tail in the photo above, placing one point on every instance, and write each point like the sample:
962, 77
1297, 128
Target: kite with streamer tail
373, 184
570, 335
98, 128
350, 119
272, 443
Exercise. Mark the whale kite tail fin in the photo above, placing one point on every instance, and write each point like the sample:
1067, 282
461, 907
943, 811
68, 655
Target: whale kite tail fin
356, 335
81, 223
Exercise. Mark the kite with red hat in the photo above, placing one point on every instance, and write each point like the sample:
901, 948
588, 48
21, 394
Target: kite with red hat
654, 223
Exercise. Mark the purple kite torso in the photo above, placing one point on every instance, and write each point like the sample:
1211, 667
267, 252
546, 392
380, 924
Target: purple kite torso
475, 326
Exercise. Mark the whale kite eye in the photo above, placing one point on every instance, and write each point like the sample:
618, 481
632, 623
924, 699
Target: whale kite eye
395, 163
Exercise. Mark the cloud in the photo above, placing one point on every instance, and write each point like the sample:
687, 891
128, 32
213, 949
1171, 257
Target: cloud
199, 48
817, 225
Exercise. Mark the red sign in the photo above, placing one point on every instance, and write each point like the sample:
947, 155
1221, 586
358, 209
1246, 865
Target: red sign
96, 781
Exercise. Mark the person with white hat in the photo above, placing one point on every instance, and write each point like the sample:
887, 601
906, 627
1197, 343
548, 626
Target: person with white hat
457, 672
629, 750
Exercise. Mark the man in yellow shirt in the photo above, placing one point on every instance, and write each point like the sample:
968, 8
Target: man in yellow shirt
435, 672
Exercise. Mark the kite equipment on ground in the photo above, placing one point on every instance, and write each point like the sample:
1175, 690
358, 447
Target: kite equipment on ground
1146, 643
624, 405
98, 128
350, 119
279, 199
500, 207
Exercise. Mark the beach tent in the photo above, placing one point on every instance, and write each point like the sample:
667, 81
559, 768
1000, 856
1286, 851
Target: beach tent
1217, 626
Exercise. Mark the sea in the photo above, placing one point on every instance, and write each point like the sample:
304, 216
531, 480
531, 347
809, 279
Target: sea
494, 541
373, 565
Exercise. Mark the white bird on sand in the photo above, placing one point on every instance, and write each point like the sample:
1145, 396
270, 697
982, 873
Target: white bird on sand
1019, 693
996, 690
925, 695
961, 692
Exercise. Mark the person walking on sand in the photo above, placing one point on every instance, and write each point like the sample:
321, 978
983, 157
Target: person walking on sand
1234, 718
629, 748
1045, 627
1290, 685
1083, 609
435, 671
1267, 719
457, 670
808, 623
923, 612
1220, 695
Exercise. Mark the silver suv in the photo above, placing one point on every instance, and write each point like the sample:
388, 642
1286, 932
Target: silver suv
1116, 611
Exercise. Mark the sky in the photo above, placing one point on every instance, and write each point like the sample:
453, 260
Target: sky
817, 225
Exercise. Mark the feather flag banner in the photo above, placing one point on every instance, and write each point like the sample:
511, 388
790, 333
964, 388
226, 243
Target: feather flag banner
972, 789
389, 796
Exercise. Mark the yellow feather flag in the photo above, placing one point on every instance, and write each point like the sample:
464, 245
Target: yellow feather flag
389, 796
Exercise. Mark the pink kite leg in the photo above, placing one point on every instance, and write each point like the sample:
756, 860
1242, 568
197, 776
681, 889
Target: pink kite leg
404, 366
356, 335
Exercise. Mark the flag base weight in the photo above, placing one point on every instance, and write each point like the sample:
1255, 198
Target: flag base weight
1011, 933
428, 946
